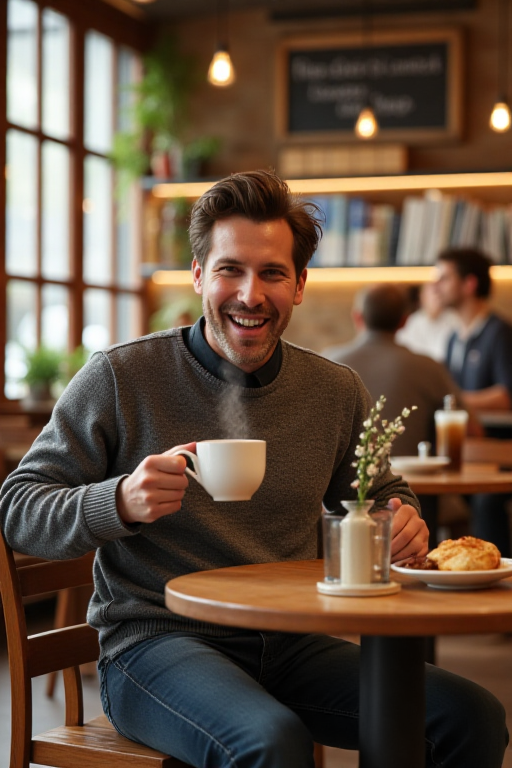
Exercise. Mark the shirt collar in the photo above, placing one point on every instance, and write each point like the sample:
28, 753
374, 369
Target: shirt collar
223, 369
476, 326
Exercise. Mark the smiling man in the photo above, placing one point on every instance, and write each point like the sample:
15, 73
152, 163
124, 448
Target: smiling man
100, 477
249, 287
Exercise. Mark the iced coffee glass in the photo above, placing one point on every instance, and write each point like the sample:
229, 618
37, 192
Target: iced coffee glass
451, 427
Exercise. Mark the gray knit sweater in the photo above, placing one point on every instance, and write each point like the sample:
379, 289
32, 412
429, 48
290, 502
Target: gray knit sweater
145, 397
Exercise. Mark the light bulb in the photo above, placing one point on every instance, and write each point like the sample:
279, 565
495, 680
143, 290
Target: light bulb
221, 71
366, 126
500, 117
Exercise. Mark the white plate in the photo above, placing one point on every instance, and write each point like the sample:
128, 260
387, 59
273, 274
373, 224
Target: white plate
459, 579
418, 465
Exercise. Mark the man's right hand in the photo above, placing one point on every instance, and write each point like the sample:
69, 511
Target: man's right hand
154, 489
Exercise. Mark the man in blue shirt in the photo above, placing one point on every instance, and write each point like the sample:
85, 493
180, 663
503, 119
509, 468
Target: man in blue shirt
479, 358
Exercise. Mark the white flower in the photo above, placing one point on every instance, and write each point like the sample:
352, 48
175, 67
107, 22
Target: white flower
373, 451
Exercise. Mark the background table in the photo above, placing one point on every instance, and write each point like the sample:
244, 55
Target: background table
283, 596
473, 478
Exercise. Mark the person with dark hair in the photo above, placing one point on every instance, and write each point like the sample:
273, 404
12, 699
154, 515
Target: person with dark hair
479, 358
100, 476
479, 355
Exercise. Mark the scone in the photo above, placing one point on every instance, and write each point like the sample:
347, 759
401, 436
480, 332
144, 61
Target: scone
465, 554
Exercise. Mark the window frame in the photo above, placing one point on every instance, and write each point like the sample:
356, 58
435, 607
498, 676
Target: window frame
124, 30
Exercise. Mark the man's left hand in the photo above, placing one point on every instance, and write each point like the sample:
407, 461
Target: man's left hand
409, 533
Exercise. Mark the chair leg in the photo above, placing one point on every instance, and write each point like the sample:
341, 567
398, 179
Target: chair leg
319, 755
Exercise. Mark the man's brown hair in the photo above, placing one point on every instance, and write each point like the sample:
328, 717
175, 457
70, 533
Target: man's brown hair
259, 196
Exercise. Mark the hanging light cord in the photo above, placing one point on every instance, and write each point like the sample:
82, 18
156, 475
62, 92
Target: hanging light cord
503, 20
222, 24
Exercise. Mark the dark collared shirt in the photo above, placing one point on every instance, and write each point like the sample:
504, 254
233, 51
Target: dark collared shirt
223, 369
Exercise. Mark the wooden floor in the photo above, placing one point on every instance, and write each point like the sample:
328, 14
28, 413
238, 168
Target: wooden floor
486, 659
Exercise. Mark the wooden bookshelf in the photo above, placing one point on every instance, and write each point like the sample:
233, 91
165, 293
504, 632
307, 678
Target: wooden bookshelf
489, 189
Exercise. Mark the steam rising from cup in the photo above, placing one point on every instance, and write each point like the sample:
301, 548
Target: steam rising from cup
232, 414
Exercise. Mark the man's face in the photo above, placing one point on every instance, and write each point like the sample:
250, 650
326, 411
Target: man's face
249, 287
450, 286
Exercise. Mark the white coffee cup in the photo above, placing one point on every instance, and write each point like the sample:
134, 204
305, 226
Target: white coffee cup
229, 470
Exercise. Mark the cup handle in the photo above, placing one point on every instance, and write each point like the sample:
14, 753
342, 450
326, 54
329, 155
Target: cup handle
195, 473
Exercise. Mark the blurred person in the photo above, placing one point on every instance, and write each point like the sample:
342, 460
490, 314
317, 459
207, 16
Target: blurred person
428, 329
479, 354
479, 357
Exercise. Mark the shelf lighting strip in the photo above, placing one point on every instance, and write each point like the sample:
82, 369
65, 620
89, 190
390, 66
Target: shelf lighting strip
342, 275
194, 189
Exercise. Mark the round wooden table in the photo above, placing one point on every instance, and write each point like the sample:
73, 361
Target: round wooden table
283, 597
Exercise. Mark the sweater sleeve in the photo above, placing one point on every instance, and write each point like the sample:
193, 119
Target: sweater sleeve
386, 486
60, 502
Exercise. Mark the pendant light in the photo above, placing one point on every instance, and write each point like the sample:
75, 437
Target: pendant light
221, 72
366, 126
500, 117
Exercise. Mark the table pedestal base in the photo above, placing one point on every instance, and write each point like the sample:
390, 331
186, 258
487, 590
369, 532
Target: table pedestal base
392, 702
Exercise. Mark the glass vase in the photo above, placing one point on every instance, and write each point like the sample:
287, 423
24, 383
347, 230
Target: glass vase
357, 550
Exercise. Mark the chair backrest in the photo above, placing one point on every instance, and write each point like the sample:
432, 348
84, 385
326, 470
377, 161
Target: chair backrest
58, 649
488, 450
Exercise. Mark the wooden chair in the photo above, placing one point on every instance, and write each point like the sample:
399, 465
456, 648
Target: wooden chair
76, 744
95, 744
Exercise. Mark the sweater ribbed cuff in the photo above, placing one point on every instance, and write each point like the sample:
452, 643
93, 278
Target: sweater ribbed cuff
100, 511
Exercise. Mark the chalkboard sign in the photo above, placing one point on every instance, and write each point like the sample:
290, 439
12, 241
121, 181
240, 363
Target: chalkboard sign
411, 82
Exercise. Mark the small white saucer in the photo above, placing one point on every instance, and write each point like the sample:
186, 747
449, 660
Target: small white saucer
358, 590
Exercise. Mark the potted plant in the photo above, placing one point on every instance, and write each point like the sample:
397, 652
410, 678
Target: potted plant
43, 371
158, 117
184, 311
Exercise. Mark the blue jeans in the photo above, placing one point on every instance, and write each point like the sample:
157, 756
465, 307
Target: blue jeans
260, 700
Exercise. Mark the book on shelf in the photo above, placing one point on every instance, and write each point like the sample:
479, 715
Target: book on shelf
357, 220
331, 251
361, 233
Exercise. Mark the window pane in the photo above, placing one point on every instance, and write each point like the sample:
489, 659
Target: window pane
21, 334
55, 74
55, 317
99, 57
22, 63
98, 221
128, 71
128, 317
55, 211
128, 238
21, 219
97, 333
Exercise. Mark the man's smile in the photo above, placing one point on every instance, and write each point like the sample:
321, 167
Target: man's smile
248, 322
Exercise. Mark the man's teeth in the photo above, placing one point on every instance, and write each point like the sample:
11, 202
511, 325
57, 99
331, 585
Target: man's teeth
247, 322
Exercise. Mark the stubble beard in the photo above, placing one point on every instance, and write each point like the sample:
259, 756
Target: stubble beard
254, 353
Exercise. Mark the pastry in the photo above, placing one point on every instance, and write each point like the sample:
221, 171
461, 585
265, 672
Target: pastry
466, 554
